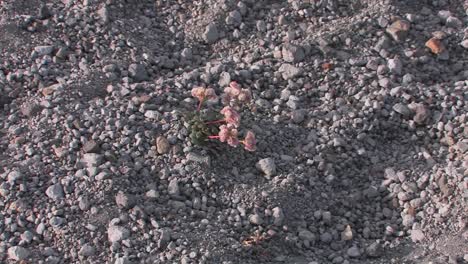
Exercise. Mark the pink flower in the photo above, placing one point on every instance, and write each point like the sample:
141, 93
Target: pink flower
234, 95
202, 93
249, 141
235, 88
228, 133
231, 116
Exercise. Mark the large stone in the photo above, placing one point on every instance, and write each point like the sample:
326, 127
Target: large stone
435, 46
399, 30
92, 159
267, 166
162, 145
55, 192
44, 50
117, 233
289, 71
292, 53
278, 216
18, 253
138, 72
211, 34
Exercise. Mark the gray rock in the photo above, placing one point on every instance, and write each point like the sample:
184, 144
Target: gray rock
138, 72
292, 53
289, 71
395, 66
18, 253
453, 22
91, 146
278, 216
92, 159
464, 43
44, 50
417, 235
305, 234
187, 53
55, 192
211, 34
374, 250
173, 187
256, 219
30, 109
353, 252
122, 260
402, 109
103, 13
234, 18
117, 233
267, 166
44, 12
14, 176
87, 250
164, 238
399, 30
124, 201
84, 203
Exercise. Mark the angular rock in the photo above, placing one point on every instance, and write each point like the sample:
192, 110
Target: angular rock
91, 146
18, 253
398, 30
402, 109
92, 159
278, 216
211, 34
289, 71
267, 166
435, 46
117, 233
124, 201
292, 53
138, 72
44, 50
305, 234
55, 192
173, 187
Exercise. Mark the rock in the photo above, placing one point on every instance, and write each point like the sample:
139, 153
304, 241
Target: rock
92, 159
395, 66
44, 12
18, 253
417, 235
83, 203
374, 250
44, 50
278, 216
255, 219
464, 43
138, 72
292, 53
211, 34
347, 234
91, 146
117, 233
398, 30
224, 79
421, 113
30, 109
173, 187
305, 234
164, 238
103, 13
87, 250
289, 71
402, 109
453, 22
55, 192
353, 252
234, 18
297, 116
267, 166
14, 176
435, 46
162, 145
124, 201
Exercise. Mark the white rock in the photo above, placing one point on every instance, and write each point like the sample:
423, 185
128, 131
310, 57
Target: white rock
18, 253
55, 192
267, 166
117, 233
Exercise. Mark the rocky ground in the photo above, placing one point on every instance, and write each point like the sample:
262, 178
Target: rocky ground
360, 116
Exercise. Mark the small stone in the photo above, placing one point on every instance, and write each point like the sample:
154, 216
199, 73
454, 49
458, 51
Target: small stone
435, 46
44, 50
13, 176
289, 71
18, 253
306, 235
91, 146
453, 22
292, 53
87, 250
117, 233
297, 116
353, 252
83, 203
278, 216
256, 219
138, 72
211, 34
173, 187
421, 113
162, 145
417, 235
464, 43
124, 201
164, 238
399, 30
30, 109
234, 18
267, 166
103, 13
402, 109
347, 234
44, 12
55, 191
374, 250
92, 159
395, 66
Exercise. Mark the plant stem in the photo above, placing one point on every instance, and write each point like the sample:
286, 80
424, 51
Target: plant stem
215, 122
200, 104
213, 137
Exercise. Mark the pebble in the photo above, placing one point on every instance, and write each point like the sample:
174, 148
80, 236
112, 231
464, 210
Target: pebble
289, 71
162, 145
18, 253
211, 34
124, 201
267, 166
402, 109
353, 252
398, 30
417, 235
138, 72
278, 216
55, 191
44, 50
292, 53
117, 233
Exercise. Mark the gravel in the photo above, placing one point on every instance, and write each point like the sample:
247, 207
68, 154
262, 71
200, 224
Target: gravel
359, 110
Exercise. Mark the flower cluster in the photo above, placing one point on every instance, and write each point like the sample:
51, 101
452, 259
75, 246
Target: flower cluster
203, 127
